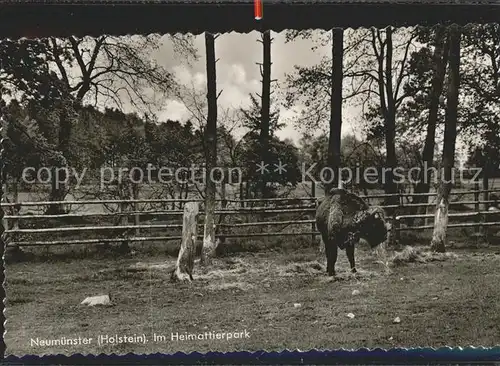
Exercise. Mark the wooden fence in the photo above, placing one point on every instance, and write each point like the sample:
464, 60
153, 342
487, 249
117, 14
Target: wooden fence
124, 232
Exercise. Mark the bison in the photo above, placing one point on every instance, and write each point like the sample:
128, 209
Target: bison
342, 219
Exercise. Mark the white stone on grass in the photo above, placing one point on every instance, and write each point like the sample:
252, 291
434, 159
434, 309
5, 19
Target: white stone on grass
97, 300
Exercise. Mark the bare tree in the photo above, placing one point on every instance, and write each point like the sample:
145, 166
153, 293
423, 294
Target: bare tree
209, 242
311, 86
388, 110
320, 89
334, 140
481, 85
374, 75
109, 71
440, 60
116, 70
215, 140
265, 104
438, 242
383, 74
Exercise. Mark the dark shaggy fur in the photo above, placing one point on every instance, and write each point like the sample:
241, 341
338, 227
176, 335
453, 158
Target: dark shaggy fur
343, 218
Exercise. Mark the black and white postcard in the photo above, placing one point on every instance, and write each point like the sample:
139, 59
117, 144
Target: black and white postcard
294, 190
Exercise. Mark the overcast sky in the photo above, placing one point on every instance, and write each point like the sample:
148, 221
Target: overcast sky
238, 73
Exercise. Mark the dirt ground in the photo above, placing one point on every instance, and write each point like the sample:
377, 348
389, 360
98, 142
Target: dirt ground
283, 300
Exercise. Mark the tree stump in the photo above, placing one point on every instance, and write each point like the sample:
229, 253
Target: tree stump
185, 262
438, 243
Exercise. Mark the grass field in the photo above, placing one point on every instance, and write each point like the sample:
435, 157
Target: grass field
448, 302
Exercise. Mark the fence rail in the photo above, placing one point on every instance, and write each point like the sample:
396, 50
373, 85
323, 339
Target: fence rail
178, 200
123, 230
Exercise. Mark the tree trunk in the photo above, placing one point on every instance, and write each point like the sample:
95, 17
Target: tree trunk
137, 217
242, 194
58, 187
185, 261
220, 231
3, 136
17, 208
179, 196
57, 194
390, 125
265, 107
124, 194
486, 184
334, 139
440, 58
209, 243
486, 181
438, 242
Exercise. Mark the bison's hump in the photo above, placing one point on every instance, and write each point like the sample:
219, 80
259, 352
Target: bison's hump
345, 199
340, 204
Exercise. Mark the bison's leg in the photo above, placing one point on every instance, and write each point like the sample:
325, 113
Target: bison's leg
350, 256
331, 257
351, 240
329, 236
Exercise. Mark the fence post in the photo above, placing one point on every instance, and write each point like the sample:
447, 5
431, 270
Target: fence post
219, 231
478, 228
17, 207
242, 194
5, 211
223, 194
123, 219
313, 225
137, 216
486, 193
396, 222
185, 261
14, 211
426, 209
394, 236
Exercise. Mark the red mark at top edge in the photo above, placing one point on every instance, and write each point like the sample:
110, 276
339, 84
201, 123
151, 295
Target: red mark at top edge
257, 5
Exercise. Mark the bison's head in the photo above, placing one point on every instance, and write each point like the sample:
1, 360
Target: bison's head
373, 227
